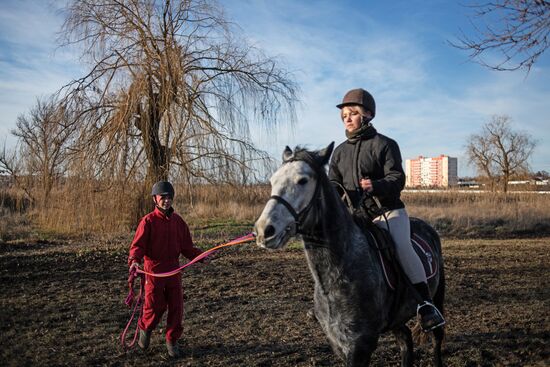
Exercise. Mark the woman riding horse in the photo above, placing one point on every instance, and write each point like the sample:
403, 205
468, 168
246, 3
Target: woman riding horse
353, 302
368, 167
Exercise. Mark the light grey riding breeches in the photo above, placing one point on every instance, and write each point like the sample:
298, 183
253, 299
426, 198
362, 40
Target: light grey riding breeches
400, 232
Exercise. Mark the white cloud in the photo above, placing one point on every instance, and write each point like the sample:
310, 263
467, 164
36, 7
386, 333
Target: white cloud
329, 61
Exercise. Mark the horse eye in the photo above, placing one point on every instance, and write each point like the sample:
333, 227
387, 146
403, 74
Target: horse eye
302, 181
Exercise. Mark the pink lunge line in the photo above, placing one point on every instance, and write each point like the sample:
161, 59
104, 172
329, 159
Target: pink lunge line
248, 238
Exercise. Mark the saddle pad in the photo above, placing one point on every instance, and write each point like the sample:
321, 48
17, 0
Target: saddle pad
424, 252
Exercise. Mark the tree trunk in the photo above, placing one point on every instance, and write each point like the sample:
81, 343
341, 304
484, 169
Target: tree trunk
149, 124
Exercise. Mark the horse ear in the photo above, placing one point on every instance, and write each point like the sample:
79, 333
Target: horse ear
324, 154
287, 154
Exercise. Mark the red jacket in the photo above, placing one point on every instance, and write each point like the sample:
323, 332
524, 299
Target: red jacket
159, 241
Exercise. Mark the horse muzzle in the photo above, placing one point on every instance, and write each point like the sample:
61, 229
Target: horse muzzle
268, 236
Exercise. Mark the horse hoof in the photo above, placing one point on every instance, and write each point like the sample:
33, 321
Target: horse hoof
310, 314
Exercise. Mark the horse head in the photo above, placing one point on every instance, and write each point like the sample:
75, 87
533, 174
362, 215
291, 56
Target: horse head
293, 189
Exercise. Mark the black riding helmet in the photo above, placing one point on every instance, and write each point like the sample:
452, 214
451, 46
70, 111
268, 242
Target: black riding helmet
361, 97
163, 188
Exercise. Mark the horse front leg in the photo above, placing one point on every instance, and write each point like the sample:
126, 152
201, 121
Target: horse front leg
439, 335
404, 339
360, 353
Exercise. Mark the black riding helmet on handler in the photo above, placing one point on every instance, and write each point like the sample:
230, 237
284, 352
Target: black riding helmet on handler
163, 188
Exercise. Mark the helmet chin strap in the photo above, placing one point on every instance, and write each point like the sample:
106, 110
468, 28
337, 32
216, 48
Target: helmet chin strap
167, 212
365, 121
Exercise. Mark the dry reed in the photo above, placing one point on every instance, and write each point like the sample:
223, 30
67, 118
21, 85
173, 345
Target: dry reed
79, 207
487, 214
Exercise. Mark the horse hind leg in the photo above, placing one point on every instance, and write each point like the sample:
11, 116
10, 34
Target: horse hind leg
404, 339
439, 333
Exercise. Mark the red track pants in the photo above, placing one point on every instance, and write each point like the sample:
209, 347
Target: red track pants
161, 293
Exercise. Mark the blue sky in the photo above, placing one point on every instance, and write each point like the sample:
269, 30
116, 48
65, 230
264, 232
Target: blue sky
430, 98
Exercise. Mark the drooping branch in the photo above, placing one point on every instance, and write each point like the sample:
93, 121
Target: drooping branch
518, 30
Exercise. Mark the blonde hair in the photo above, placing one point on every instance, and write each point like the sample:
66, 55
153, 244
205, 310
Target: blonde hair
357, 108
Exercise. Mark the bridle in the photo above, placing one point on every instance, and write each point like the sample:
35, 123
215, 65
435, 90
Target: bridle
299, 217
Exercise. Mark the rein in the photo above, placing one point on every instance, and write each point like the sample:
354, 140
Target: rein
130, 301
137, 302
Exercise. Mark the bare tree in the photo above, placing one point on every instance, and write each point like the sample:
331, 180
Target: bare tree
40, 157
11, 165
172, 80
518, 29
499, 152
45, 134
544, 175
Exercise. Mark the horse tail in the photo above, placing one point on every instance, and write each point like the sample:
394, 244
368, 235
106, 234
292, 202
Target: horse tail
439, 302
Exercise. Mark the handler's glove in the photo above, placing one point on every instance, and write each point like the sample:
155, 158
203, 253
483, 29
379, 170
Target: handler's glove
134, 267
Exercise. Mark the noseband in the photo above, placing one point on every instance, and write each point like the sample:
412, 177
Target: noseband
289, 207
298, 217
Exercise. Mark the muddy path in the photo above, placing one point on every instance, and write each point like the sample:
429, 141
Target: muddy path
62, 304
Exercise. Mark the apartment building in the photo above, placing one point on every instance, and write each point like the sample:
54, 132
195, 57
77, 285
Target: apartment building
439, 171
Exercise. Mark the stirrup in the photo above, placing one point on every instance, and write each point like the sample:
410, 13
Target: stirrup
437, 313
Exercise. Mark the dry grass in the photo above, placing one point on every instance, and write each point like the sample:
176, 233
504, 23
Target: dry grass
224, 202
14, 217
80, 208
487, 214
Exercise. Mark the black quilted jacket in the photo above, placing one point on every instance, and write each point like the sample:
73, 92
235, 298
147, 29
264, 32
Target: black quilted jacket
376, 157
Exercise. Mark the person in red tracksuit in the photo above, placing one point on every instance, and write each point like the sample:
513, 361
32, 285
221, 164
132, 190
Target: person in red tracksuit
160, 238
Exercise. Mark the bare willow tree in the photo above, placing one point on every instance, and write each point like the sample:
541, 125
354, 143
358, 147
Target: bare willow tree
498, 152
41, 157
518, 29
173, 87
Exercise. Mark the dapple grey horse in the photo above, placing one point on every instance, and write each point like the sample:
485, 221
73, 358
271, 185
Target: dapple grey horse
352, 301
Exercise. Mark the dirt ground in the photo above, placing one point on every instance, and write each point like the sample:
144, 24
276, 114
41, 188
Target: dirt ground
63, 304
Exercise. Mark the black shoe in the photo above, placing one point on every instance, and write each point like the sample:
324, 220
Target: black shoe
144, 339
174, 350
430, 317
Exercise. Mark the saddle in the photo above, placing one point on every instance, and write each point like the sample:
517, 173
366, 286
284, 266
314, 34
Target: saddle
381, 239
363, 215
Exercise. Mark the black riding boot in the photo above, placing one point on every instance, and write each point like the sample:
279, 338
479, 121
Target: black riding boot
430, 317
